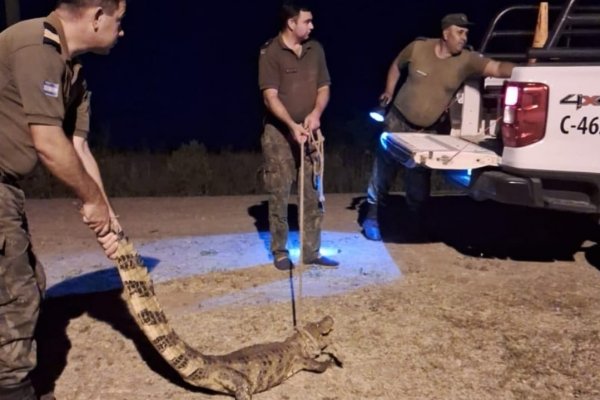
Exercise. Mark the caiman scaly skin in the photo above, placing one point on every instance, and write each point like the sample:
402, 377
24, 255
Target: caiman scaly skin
241, 373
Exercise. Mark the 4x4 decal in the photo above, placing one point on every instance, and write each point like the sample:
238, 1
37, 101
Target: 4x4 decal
581, 100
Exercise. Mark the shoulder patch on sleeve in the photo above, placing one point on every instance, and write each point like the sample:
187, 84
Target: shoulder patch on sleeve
263, 48
51, 37
50, 89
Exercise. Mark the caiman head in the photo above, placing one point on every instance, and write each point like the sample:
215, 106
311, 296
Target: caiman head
314, 335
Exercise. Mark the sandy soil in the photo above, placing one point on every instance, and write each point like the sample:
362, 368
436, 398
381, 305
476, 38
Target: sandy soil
503, 304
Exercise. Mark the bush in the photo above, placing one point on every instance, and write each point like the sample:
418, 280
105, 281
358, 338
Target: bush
192, 170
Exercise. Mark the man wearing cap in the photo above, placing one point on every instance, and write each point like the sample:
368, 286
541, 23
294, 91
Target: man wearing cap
436, 70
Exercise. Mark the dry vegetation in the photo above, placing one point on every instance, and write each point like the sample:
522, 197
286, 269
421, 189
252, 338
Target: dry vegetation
191, 170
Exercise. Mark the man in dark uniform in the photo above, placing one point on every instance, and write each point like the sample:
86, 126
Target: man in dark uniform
436, 70
294, 81
44, 114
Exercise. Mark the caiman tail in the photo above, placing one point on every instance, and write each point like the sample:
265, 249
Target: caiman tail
149, 315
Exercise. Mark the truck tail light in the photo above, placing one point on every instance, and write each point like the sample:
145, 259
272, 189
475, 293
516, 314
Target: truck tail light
525, 106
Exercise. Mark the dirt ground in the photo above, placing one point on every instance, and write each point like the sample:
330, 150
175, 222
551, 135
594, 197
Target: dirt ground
502, 303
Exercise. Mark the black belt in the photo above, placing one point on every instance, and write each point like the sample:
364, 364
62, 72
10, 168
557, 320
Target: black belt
432, 127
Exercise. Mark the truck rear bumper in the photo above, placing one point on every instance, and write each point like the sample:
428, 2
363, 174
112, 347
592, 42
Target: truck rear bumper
565, 192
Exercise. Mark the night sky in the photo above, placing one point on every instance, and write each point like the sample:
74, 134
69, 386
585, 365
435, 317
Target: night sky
187, 70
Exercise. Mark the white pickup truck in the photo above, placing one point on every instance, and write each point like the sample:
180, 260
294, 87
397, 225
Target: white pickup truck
534, 139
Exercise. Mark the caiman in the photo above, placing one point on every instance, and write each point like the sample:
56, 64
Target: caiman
241, 373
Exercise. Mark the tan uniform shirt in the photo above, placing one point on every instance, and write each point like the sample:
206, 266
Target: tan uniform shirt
297, 79
39, 85
432, 82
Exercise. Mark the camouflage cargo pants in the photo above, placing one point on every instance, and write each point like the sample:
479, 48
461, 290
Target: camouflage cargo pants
22, 283
280, 171
417, 181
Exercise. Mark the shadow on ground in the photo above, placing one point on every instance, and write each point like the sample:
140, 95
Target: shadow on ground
260, 213
54, 344
99, 281
592, 255
489, 229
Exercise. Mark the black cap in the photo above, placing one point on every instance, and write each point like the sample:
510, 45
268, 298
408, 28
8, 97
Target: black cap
458, 19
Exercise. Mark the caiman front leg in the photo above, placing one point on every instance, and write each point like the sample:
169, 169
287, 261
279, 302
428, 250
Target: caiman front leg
333, 352
310, 364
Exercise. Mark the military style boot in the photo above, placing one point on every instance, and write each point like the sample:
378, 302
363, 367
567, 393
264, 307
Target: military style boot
370, 224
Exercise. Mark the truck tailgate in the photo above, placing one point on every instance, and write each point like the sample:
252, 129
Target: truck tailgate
439, 151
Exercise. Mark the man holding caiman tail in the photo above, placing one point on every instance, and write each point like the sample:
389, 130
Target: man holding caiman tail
44, 114
294, 81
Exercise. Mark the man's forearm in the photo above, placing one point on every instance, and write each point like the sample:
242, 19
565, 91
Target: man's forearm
90, 165
392, 78
58, 155
498, 69
322, 100
505, 69
276, 107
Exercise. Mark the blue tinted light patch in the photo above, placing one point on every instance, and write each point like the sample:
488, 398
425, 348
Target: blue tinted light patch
384, 140
362, 263
461, 177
